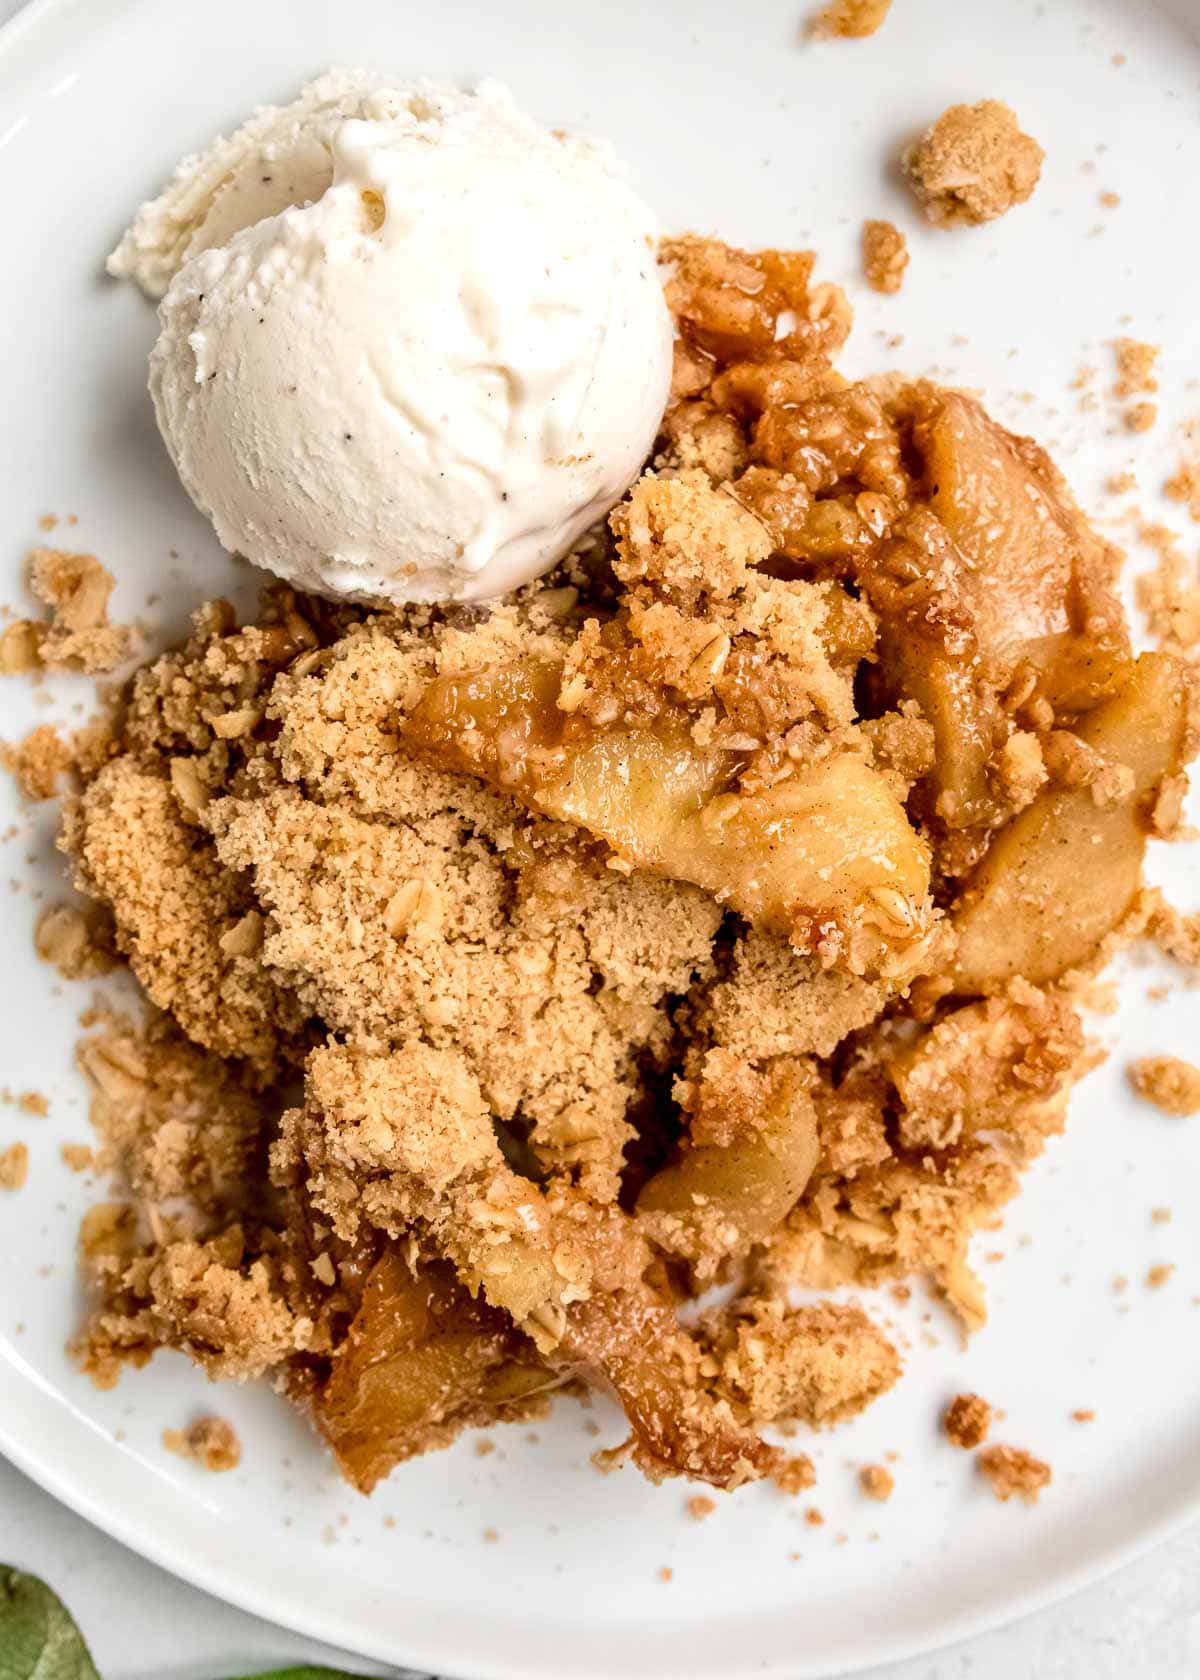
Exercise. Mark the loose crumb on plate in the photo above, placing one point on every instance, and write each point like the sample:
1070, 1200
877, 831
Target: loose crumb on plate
1184, 486
973, 165
1159, 1276
78, 1156
1085, 1414
814, 1518
1013, 1471
210, 1442
14, 1166
876, 1482
796, 1474
1141, 417
1135, 367
35, 1103
1168, 1082
37, 762
884, 256
700, 1506
850, 19
967, 1420
77, 634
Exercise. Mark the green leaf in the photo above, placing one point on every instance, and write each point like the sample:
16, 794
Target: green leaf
293, 1674
38, 1639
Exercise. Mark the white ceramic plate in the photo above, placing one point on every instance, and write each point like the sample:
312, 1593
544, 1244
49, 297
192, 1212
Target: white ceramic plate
732, 124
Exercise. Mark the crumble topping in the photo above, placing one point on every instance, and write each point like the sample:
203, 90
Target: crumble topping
973, 165
1013, 1472
885, 256
967, 1420
1168, 1082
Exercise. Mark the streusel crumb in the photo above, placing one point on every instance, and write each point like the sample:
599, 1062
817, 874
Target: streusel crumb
967, 1420
1168, 1082
1141, 417
1135, 367
37, 762
877, 1482
795, 1475
854, 19
973, 165
1014, 1472
1184, 486
210, 1442
14, 1166
885, 256
76, 635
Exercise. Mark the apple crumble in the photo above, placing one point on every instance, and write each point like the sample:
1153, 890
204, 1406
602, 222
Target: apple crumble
706, 913
973, 165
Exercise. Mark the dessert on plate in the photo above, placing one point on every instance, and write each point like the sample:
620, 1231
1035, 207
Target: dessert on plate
564, 936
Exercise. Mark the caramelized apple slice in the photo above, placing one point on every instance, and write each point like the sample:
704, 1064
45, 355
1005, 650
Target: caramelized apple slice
826, 857
1038, 582
1000, 574
631, 1341
1061, 875
722, 1198
421, 1361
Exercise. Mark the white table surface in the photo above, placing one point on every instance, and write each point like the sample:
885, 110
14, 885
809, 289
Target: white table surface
1141, 1624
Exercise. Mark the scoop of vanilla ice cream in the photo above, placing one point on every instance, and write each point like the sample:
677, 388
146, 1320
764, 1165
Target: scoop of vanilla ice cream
412, 345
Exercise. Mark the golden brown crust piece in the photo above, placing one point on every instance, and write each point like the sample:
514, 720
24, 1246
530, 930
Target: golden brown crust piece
816, 1365
973, 165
